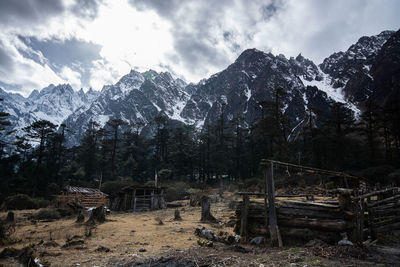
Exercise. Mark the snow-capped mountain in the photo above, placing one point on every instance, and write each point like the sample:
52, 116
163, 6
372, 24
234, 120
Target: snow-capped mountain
52, 103
136, 97
368, 69
251, 79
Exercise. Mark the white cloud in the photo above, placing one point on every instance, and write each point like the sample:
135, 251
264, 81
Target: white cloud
24, 71
191, 38
71, 77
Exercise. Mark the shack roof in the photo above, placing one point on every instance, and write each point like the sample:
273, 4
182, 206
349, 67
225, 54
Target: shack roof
83, 190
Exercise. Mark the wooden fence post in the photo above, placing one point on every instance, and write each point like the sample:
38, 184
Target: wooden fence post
270, 188
134, 200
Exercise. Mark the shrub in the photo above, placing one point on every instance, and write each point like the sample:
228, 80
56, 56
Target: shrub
377, 174
20, 202
47, 214
41, 202
253, 184
176, 191
165, 174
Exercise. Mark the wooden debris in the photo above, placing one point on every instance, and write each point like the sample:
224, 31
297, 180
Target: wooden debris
159, 221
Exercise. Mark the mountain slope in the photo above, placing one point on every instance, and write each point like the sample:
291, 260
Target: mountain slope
350, 70
53, 103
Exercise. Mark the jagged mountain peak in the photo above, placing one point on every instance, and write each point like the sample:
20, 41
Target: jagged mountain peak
33, 94
350, 70
150, 74
60, 89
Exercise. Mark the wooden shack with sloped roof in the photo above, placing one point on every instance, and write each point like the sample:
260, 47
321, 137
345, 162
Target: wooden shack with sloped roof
138, 198
86, 197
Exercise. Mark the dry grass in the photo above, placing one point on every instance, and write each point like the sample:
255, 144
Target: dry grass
125, 234
119, 239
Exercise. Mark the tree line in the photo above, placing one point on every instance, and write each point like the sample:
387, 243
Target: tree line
38, 163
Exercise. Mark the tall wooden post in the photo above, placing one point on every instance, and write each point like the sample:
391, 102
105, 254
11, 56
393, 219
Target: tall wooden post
134, 200
152, 200
243, 220
270, 188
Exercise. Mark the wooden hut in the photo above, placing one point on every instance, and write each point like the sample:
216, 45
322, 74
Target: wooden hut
87, 197
138, 198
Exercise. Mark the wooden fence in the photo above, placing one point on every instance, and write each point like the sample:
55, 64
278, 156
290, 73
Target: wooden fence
358, 212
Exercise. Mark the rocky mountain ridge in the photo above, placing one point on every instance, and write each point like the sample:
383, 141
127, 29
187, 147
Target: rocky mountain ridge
52, 103
349, 77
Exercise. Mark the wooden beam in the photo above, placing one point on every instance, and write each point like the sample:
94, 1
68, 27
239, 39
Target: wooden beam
383, 201
374, 193
312, 170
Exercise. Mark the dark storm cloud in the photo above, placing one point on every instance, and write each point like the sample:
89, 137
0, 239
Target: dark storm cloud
65, 52
165, 8
86, 8
268, 11
19, 12
194, 50
75, 54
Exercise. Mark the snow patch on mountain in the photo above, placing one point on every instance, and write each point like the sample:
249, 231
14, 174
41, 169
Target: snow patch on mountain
336, 94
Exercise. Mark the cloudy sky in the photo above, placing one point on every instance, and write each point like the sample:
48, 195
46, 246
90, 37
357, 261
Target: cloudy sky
89, 43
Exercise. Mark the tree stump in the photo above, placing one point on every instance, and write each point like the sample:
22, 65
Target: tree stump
177, 215
10, 217
80, 218
206, 215
98, 215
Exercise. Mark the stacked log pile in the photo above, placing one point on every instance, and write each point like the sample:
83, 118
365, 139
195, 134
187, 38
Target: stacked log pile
358, 216
298, 220
384, 213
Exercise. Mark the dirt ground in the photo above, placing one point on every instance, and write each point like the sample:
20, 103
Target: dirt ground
137, 239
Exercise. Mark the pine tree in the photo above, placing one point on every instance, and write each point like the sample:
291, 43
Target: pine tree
115, 124
39, 132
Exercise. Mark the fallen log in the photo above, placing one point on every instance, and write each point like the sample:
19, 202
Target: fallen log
310, 205
311, 213
325, 225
